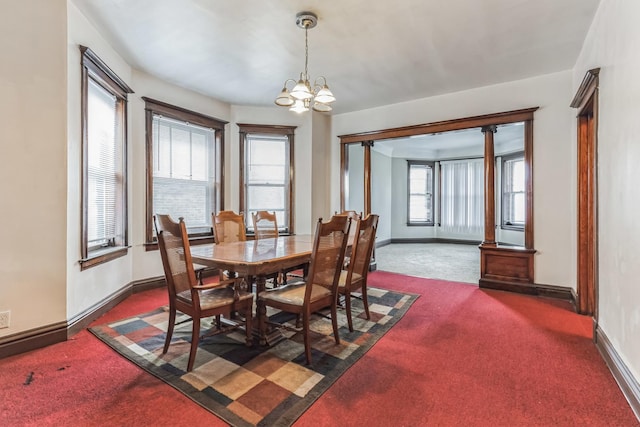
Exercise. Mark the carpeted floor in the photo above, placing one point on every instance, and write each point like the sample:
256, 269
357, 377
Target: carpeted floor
461, 356
264, 386
445, 261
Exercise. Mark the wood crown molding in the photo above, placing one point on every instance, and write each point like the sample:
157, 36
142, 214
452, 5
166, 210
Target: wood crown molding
588, 85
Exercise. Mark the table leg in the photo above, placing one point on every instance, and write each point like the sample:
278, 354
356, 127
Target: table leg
267, 334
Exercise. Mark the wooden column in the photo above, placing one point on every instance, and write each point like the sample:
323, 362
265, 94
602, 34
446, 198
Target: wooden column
489, 187
367, 177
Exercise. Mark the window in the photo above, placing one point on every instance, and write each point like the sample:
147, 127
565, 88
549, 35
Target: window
513, 203
462, 196
266, 173
420, 189
104, 162
184, 164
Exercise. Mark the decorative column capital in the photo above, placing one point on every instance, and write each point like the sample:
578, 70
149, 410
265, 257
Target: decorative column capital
490, 128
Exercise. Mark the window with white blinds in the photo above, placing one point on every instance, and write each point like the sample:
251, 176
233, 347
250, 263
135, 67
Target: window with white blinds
462, 196
105, 168
104, 164
513, 195
184, 171
266, 173
185, 151
266, 177
420, 189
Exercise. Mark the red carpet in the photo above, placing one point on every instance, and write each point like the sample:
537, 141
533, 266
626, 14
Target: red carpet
460, 356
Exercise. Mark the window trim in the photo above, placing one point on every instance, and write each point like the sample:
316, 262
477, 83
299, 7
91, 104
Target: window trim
153, 106
431, 164
504, 160
92, 67
289, 132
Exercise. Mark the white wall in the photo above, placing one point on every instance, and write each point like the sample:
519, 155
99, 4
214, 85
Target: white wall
554, 160
86, 288
148, 263
320, 188
381, 193
612, 44
33, 177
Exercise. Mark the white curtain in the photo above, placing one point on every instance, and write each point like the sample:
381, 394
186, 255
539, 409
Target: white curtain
462, 198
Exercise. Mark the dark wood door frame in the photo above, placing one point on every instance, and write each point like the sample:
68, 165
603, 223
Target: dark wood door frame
586, 102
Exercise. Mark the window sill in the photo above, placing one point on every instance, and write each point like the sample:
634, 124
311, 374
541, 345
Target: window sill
193, 241
512, 227
102, 256
420, 224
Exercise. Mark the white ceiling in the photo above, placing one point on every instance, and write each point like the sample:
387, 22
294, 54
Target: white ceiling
372, 53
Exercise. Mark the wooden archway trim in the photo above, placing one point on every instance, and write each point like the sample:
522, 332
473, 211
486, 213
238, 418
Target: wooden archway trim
442, 126
586, 101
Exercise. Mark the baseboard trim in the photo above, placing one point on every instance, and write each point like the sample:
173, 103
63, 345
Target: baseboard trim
627, 383
381, 243
434, 240
549, 291
32, 339
54, 333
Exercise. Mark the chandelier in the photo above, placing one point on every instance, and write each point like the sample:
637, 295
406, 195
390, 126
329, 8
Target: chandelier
303, 95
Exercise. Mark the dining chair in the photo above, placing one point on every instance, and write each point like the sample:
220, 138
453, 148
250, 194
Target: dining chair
320, 288
228, 226
265, 225
354, 278
195, 300
355, 216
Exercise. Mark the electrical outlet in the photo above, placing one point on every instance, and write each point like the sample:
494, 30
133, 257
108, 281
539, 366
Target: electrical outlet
5, 319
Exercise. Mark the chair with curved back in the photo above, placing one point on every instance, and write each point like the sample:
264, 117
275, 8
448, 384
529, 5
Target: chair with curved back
355, 217
193, 299
228, 226
320, 289
265, 225
355, 277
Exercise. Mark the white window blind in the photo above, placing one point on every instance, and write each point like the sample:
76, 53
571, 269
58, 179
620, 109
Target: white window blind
420, 193
105, 169
184, 172
462, 196
267, 177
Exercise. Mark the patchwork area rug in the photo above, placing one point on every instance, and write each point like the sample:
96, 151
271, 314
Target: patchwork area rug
259, 386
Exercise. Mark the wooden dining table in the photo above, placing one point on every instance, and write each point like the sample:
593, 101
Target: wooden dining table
257, 259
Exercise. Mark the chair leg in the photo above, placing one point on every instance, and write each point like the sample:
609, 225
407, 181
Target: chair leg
365, 300
195, 337
347, 300
172, 323
306, 333
334, 322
